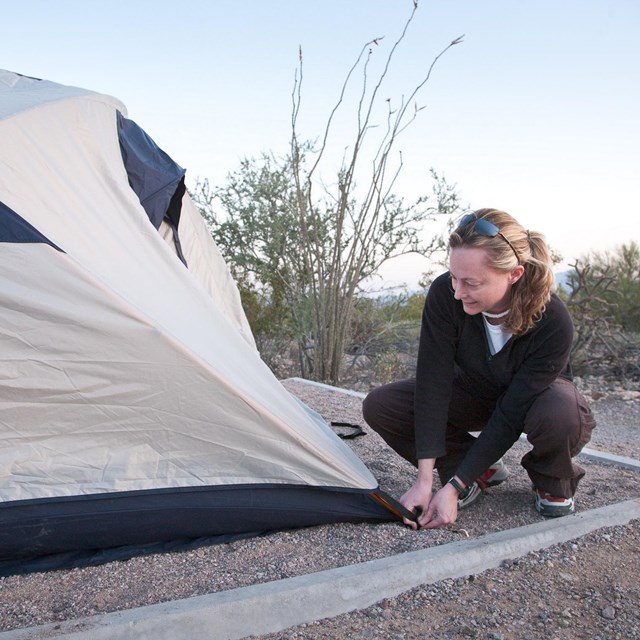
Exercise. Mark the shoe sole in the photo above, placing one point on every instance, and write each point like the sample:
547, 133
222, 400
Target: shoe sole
554, 511
551, 510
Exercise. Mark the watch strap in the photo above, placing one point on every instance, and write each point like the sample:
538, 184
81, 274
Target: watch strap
462, 491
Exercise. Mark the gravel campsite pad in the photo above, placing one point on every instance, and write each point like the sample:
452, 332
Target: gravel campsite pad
586, 588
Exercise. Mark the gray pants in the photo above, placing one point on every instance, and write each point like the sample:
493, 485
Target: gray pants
558, 425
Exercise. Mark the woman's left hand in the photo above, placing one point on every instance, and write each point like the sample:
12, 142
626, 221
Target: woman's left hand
442, 510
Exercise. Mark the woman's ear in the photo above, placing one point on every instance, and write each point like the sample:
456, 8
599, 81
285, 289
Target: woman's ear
515, 274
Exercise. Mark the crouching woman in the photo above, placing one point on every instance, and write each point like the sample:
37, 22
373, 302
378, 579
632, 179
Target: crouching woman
494, 358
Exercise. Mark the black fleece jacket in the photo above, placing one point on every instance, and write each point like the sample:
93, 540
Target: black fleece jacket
454, 349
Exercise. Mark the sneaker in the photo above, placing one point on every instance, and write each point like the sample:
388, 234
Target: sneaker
472, 494
552, 507
494, 475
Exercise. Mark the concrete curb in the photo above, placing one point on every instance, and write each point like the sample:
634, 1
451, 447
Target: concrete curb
274, 606
610, 458
328, 387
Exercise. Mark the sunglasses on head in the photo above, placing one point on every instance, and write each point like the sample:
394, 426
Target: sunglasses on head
484, 227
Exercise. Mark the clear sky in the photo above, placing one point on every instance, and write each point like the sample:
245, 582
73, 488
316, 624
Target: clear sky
535, 112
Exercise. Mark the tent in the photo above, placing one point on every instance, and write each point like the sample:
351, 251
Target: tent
135, 410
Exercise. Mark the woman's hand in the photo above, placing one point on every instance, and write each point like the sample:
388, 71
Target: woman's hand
442, 509
417, 499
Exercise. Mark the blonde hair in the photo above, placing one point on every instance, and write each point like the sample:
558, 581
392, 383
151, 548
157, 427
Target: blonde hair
512, 246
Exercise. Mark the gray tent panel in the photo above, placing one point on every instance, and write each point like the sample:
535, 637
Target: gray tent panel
152, 174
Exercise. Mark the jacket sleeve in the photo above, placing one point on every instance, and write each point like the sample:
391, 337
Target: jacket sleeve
435, 369
545, 360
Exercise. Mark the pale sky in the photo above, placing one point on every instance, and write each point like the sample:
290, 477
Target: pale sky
535, 112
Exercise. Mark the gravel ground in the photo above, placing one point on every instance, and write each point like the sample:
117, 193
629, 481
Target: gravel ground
587, 588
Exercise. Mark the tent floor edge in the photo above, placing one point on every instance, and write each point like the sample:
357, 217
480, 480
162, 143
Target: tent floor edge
57, 533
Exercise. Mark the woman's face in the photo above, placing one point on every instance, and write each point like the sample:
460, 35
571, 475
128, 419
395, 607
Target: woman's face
477, 285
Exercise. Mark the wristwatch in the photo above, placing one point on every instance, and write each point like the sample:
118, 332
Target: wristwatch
463, 492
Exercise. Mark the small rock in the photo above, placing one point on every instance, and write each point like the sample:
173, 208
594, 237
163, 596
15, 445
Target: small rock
629, 395
608, 613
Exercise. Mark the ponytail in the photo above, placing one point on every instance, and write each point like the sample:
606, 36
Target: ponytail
531, 293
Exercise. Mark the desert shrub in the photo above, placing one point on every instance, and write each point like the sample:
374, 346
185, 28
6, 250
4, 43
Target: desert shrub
610, 281
384, 338
603, 301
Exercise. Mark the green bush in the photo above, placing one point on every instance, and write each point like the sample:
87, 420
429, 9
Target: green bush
603, 296
613, 280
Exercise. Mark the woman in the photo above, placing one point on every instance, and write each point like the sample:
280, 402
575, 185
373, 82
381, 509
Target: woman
493, 357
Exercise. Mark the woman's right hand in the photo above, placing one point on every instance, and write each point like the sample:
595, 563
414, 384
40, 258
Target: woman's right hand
419, 496
417, 500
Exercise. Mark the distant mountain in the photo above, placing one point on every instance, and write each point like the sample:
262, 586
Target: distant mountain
563, 279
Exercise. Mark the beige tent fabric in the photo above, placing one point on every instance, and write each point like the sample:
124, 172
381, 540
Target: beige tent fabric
207, 265
119, 368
